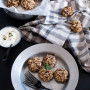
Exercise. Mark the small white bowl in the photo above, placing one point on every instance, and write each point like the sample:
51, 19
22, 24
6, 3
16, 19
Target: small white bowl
18, 31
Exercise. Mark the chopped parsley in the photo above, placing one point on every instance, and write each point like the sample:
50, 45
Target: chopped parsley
10, 34
4, 38
47, 67
89, 28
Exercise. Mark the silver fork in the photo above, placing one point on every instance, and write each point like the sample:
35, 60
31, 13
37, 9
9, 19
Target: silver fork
33, 82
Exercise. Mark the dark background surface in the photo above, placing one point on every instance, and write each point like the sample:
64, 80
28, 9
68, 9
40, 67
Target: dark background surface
5, 67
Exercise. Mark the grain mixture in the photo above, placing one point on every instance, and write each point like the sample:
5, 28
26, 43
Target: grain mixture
34, 64
50, 59
67, 11
61, 75
28, 4
14, 3
76, 26
45, 75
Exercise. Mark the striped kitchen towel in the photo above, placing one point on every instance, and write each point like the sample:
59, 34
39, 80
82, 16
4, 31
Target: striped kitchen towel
54, 29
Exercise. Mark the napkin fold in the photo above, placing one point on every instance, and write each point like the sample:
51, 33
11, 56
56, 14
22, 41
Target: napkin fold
54, 29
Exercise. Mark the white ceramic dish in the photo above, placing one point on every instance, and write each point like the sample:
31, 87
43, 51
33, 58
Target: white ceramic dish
18, 32
64, 59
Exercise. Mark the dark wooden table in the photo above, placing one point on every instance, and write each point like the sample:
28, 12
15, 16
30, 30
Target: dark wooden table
5, 67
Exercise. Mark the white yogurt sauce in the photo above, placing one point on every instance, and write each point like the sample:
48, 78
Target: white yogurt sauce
8, 36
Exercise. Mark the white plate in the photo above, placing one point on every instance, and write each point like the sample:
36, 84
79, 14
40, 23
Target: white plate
64, 59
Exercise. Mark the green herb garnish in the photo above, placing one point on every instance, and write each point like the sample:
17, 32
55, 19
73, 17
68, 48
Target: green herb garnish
89, 28
4, 38
10, 34
47, 67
